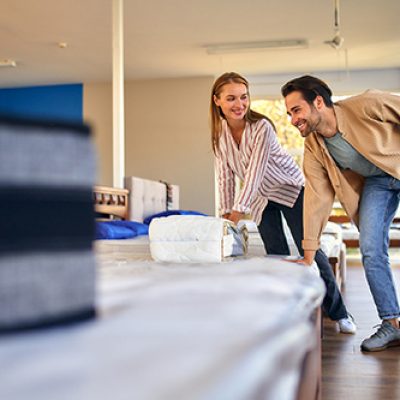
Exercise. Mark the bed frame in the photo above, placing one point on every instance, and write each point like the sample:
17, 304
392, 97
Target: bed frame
140, 199
111, 203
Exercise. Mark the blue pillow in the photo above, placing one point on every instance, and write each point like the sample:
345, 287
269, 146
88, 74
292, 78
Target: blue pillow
120, 229
171, 212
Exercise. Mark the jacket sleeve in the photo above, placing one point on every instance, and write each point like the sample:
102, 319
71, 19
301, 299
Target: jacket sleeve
318, 198
226, 183
257, 166
390, 108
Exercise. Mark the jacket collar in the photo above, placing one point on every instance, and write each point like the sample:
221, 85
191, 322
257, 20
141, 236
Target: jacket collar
340, 119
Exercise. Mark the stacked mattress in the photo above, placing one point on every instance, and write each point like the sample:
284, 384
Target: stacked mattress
255, 242
47, 269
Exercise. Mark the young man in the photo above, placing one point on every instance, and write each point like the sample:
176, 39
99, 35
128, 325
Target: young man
352, 151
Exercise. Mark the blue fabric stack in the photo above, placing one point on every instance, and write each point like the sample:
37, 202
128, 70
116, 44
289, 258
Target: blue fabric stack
47, 268
131, 229
120, 229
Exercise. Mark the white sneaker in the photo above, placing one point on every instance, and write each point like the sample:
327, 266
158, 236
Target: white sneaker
347, 325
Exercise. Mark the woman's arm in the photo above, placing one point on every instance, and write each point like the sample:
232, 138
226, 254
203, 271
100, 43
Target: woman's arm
257, 166
226, 184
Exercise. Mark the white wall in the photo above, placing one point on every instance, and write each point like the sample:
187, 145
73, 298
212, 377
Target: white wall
167, 135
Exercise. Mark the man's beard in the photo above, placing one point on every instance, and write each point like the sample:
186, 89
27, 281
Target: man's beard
312, 123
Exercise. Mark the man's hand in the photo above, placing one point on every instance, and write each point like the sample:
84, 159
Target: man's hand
306, 260
309, 256
296, 260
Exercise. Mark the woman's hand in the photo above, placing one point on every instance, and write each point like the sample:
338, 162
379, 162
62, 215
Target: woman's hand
236, 216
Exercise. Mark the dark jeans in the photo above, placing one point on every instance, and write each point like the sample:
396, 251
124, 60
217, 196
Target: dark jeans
273, 236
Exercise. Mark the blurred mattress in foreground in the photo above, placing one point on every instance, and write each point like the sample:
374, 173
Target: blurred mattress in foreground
47, 269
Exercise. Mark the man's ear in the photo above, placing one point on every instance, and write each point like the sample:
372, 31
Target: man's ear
319, 102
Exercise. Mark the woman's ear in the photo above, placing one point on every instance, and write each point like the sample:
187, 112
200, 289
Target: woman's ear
216, 101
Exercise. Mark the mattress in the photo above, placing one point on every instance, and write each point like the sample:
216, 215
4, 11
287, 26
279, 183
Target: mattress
350, 232
215, 331
47, 268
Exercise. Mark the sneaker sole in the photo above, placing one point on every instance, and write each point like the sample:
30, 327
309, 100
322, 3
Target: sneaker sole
348, 333
391, 344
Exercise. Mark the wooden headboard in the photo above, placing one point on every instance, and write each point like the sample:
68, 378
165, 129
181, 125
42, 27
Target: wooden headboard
140, 199
111, 202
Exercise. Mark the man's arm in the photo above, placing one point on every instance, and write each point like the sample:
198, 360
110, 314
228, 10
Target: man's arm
318, 200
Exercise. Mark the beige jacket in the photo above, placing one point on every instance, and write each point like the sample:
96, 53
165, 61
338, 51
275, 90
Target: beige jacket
370, 122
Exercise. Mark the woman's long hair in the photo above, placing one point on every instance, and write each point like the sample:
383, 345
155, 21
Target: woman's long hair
216, 113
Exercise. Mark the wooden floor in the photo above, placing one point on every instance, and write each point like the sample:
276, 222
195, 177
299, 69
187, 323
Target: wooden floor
347, 373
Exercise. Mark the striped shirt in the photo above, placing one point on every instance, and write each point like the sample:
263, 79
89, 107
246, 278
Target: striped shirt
267, 171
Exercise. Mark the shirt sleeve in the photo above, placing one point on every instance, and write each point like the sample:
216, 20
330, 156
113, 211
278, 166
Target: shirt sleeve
226, 183
257, 166
318, 199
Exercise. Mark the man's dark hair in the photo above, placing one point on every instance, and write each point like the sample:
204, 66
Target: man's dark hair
310, 87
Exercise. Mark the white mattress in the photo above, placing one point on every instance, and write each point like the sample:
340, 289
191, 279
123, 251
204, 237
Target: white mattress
256, 244
139, 248
330, 245
350, 232
109, 251
215, 331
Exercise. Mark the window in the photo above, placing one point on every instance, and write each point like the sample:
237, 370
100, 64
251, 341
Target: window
288, 136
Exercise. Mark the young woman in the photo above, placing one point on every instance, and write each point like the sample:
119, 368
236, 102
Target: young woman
245, 145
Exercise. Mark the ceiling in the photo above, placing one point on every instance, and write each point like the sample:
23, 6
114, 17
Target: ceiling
166, 38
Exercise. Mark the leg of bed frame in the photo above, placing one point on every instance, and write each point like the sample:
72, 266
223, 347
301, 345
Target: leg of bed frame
310, 380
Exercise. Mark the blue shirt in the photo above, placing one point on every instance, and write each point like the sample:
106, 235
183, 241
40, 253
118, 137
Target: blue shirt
347, 157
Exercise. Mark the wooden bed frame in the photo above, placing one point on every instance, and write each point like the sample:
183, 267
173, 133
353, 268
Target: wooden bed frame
140, 199
111, 203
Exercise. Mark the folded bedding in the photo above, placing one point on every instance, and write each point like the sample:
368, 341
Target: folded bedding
195, 238
120, 229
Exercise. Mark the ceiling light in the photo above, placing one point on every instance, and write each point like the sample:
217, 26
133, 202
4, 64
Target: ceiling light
8, 63
337, 40
224, 48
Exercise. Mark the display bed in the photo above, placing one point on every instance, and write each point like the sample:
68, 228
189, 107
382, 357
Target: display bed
242, 329
351, 234
246, 328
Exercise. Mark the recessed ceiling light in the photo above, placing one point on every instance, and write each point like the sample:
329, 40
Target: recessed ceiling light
8, 63
224, 48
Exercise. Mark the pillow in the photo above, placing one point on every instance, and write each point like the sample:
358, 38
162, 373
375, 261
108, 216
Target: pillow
171, 212
120, 229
